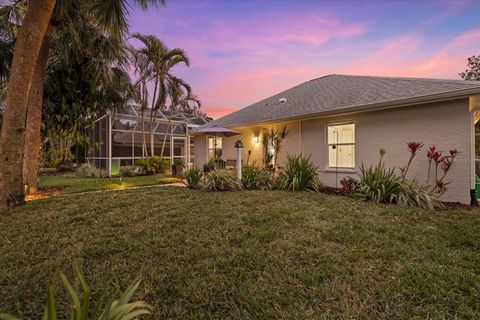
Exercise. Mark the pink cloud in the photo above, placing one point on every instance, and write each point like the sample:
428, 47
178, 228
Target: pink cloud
410, 56
238, 59
218, 112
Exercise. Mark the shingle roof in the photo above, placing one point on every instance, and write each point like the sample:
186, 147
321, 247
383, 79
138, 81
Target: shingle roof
343, 93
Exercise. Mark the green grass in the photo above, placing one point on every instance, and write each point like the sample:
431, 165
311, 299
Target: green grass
247, 255
69, 183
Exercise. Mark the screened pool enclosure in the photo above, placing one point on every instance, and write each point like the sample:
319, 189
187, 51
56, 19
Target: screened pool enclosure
119, 139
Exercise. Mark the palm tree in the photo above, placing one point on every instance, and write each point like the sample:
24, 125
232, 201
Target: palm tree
27, 49
153, 64
111, 15
181, 97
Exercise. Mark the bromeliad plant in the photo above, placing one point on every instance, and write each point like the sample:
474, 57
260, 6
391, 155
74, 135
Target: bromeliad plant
445, 163
437, 159
413, 147
81, 307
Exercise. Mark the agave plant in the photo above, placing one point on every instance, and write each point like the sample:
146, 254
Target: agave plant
192, 177
81, 308
299, 174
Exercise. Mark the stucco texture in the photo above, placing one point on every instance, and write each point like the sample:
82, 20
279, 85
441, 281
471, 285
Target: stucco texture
447, 125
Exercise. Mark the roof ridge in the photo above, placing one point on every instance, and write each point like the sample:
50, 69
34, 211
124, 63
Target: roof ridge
473, 82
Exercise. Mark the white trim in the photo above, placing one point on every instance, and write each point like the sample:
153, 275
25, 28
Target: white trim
472, 150
328, 168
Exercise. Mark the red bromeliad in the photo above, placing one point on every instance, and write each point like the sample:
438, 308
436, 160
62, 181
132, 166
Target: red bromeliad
445, 163
413, 146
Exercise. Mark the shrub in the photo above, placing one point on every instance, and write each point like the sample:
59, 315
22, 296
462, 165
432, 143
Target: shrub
378, 184
209, 166
88, 170
221, 180
382, 185
81, 306
214, 164
299, 174
130, 171
192, 177
154, 165
265, 180
258, 178
249, 174
414, 194
349, 184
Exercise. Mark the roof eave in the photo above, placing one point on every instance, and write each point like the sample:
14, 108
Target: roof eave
370, 107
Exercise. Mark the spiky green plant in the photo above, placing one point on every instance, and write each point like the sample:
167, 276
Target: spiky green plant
382, 185
220, 180
414, 194
249, 173
265, 180
81, 307
378, 184
299, 174
258, 178
192, 177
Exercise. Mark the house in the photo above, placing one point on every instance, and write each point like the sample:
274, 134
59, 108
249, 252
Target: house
342, 121
117, 138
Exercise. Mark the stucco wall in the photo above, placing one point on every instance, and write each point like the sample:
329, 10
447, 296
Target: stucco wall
199, 150
447, 125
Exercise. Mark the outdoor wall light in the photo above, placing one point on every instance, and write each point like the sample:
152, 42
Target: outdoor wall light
256, 139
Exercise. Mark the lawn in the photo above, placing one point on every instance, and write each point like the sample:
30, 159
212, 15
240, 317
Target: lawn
69, 183
247, 255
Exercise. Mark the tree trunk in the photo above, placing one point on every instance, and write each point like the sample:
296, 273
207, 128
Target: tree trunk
165, 137
25, 56
152, 117
33, 140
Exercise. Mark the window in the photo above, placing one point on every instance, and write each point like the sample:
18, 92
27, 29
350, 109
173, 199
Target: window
214, 148
341, 146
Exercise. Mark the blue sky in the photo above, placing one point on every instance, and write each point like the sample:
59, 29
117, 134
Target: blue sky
243, 51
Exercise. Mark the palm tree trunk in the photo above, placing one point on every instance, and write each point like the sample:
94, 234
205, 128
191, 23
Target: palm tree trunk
165, 134
33, 140
27, 49
144, 143
152, 117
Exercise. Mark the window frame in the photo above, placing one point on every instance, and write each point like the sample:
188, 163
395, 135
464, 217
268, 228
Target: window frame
213, 149
333, 124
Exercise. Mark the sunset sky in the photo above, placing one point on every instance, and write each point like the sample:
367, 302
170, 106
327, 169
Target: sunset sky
244, 51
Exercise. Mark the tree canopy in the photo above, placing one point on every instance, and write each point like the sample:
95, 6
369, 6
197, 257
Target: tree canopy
473, 69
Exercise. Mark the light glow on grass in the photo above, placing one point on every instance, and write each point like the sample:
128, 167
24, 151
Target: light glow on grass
246, 255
